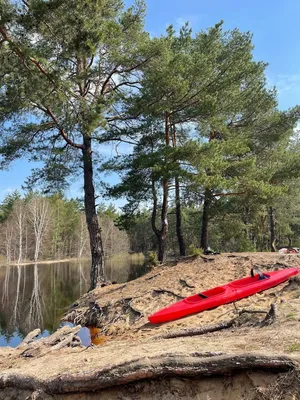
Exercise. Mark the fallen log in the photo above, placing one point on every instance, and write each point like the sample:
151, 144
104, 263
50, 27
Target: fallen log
30, 337
64, 337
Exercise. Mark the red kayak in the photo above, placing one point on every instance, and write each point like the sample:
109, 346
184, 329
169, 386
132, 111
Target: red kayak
219, 295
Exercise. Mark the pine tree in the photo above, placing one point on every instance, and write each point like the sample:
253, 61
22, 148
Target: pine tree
66, 67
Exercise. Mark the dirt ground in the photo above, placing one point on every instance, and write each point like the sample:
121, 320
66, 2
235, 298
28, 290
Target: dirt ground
252, 359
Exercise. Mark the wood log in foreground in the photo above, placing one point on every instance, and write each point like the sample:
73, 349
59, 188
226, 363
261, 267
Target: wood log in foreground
194, 365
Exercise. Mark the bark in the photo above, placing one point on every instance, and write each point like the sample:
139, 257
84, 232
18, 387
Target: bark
161, 234
180, 238
272, 229
205, 219
181, 242
97, 268
162, 239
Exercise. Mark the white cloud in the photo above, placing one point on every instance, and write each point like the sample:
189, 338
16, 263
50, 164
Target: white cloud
7, 190
180, 21
285, 82
191, 19
4, 192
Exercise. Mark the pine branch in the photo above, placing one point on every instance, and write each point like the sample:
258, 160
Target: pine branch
63, 132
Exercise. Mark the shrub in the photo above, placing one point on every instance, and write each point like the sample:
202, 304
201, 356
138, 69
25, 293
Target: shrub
194, 251
152, 258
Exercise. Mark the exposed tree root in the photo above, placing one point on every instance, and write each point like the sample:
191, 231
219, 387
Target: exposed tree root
100, 317
269, 319
160, 291
151, 277
184, 283
197, 331
159, 366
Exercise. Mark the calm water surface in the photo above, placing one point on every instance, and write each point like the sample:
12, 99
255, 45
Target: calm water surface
36, 296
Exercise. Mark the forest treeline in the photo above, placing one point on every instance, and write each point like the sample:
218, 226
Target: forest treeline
36, 227
211, 160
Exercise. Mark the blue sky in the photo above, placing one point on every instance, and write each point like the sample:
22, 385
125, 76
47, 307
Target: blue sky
276, 33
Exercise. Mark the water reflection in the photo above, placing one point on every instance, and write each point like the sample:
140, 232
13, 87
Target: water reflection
37, 295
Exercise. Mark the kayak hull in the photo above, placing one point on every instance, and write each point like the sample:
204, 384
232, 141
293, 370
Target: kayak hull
220, 295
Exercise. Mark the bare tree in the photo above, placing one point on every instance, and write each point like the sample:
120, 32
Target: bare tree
18, 218
39, 217
82, 235
8, 238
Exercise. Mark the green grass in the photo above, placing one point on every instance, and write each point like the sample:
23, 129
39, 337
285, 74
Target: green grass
291, 316
294, 347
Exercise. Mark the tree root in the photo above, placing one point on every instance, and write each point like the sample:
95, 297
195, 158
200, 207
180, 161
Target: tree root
184, 283
159, 366
269, 319
197, 331
160, 291
151, 277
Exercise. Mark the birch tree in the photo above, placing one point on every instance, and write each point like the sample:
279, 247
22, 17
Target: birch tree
39, 217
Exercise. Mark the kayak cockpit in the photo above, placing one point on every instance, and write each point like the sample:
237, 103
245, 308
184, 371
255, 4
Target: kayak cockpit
205, 295
248, 281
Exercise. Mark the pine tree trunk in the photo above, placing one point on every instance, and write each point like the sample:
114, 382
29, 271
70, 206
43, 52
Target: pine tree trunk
179, 233
272, 229
205, 217
180, 238
97, 268
162, 238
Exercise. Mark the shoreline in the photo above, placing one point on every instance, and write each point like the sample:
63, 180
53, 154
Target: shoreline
15, 264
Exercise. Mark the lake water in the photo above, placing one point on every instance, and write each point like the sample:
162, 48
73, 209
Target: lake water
36, 296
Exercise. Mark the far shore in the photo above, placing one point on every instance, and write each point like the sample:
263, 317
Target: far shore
4, 264
44, 262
